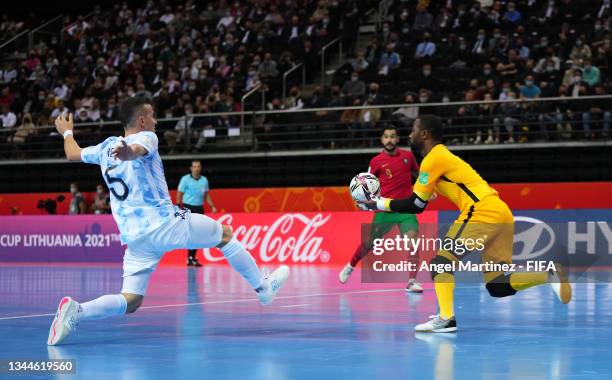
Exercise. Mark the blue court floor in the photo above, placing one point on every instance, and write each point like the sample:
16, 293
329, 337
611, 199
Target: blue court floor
205, 323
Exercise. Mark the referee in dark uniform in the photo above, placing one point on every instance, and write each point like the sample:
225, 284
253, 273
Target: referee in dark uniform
192, 190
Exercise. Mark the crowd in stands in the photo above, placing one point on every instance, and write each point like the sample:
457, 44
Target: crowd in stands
194, 58
490, 50
188, 56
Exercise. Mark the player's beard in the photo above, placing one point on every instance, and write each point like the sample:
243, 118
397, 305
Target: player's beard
416, 148
390, 147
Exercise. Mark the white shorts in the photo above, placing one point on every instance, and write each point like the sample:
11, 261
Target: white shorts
184, 230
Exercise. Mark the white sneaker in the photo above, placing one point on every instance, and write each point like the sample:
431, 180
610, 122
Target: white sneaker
414, 286
272, 284
437, 324
346, 273
65, 321
559, 283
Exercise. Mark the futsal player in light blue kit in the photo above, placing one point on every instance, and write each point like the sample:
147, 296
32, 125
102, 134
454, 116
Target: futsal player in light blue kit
149, 223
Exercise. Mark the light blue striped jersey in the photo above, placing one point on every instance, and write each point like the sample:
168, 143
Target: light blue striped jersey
140, 200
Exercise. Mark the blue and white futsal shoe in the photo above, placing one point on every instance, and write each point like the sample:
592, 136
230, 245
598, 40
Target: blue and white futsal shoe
272, 284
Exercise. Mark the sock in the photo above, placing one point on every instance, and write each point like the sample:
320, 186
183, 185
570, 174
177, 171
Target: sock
241, 260
413, 259
445, 288
103, 307
192, 254
358, 255
522, 281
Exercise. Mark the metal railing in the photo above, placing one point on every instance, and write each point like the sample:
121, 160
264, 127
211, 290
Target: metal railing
383, 11
287, 73
243, 100
41, 28
29, 34
15, 38
545, 122
323, 51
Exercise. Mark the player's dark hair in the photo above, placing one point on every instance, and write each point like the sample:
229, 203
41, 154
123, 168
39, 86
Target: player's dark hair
433, 125
194, 161
131, 107
388, 127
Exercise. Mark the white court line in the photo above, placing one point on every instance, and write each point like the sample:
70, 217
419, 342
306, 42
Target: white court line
27, 316
298, 305
227, 301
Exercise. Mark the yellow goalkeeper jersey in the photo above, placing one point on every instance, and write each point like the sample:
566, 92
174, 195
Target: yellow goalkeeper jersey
450, 176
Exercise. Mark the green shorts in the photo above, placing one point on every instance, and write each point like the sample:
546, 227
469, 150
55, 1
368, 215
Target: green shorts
384, 221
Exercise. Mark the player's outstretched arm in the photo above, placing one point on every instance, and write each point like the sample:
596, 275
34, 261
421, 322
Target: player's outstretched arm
65, 126
126, 152
412, 205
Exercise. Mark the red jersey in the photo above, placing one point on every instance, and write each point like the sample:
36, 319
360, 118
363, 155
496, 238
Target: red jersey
394, 173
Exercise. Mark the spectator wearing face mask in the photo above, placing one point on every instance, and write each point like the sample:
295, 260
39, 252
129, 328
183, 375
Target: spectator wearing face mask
590, 74
568, 74
267, 69
599, 110
523, 50
479, 48
581, 51
294, 101
488, 74
424, 97
512, 16
506, 89
252, 79
25, 130
409, 112
550, 59
351, 120
354, 86
389, 61
511, 66
181, 129
530, 90
427, 80
423, 20
426, 48
511, 115
578, 86
565, 117
101, 202
577, 89
487, 117
77, 201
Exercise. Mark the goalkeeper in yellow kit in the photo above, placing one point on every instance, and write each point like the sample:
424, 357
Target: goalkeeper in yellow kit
483, 216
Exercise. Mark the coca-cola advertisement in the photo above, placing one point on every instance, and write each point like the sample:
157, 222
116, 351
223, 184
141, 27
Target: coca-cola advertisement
312, 238
315, 238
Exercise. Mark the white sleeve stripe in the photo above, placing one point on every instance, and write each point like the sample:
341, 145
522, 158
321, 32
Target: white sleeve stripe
419, 203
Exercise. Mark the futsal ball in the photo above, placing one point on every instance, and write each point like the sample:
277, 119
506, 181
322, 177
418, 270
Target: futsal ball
364, 186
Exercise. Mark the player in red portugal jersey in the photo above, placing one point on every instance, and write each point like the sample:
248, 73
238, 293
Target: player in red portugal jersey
395, 169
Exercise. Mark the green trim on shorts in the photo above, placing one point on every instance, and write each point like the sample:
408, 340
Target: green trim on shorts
384, 221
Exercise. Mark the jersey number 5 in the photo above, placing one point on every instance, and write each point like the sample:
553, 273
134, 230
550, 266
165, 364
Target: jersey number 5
111, 180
